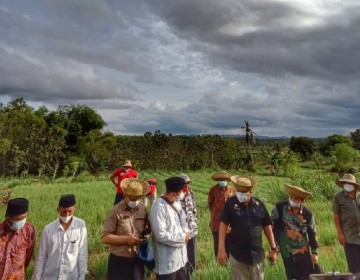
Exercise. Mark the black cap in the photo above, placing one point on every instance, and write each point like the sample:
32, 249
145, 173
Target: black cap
67, 200
174, 184
17, 206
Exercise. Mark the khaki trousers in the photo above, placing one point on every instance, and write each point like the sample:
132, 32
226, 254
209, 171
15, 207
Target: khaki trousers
241, 271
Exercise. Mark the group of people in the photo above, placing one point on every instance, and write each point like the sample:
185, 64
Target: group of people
238, 221
63, 249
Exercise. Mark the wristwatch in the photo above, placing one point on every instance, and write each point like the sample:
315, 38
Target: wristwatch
276, 249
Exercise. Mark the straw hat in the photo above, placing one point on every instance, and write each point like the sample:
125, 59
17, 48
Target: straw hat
295, 190
221, 175
127, 163
348, 179
134, 187
243, 183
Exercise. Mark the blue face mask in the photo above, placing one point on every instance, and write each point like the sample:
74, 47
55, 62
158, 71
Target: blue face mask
222, 184
17, 225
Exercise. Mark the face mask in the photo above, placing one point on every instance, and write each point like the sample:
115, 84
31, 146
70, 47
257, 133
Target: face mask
349, 187
180, 196
18, 224
133, 204
294, 204
222, 184
66, 219
242, 197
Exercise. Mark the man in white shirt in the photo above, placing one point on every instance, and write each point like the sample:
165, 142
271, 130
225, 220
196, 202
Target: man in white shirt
170, 232
63, 251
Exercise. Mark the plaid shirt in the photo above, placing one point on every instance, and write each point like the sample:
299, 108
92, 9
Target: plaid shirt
16, 250
216, 201
188, 205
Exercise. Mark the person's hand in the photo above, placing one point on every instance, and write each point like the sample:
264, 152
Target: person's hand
341, 238
222, 257
272, 256
314, 258
228, 230
187, 237
132, 239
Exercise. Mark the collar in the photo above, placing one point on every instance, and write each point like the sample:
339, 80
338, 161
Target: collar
59, 224
2, 229
291, 209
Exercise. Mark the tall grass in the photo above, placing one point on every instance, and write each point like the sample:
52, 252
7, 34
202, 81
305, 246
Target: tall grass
95, 198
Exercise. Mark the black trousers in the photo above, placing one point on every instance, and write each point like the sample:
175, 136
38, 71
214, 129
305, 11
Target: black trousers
121, 268
191, 249
352, 252
181, 274
298, 266
216, 243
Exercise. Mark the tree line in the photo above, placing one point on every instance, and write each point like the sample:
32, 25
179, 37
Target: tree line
72, 139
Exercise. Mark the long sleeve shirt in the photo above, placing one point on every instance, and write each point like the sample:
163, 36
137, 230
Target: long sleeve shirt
62, 254
188, 205
169, 227
16, 251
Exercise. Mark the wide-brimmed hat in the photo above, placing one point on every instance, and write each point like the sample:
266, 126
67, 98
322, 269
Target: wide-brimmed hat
348, 179
243, 183
221, 175
134, 187
127, 163
295, 190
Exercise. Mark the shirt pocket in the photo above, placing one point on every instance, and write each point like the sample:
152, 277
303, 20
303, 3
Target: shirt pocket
140, 224
124, 226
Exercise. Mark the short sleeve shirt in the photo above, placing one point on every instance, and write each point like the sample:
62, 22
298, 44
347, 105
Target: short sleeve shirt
349, 212
247, 223
123, 220
122, 174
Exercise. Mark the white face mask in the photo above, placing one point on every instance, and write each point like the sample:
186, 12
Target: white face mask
66, 219
294, 204
133, 204
242, 197
349, 187
180, 196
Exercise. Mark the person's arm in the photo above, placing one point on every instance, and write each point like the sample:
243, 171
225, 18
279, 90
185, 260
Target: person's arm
341, 236
270, 236
112, 179
210, 199
31, 246
83, 253
158, 217
313, 240
41, 257
222, 256
337, 220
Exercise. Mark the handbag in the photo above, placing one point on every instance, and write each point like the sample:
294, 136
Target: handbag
146, 254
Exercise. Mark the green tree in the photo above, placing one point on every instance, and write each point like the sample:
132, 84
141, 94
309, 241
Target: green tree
328, 143
355, 136
304, 146
344, 157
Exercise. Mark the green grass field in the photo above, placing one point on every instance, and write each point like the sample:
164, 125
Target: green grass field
95, 198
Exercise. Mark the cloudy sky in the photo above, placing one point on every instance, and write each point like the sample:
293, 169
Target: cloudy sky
291, 68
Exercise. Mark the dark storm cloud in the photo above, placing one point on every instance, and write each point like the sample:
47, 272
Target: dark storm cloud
274, 40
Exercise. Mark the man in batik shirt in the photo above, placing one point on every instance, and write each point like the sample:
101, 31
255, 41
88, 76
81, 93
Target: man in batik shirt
17, 240
188, 205
218, 195
295, 233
